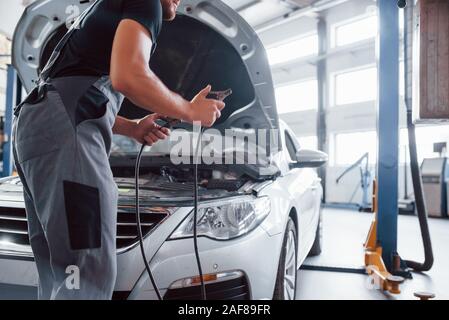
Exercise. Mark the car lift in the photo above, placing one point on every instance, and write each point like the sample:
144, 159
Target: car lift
381, 258
382, 262
375, 266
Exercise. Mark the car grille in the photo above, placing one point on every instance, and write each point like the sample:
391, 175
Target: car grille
235, 289
14, 226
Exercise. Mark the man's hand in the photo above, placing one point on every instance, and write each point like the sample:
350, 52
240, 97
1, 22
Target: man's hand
148, 131
204, 110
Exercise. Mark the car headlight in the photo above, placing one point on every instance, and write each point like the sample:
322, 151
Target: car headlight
227, 219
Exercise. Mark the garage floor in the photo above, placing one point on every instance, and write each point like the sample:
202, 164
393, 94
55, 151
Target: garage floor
343, 236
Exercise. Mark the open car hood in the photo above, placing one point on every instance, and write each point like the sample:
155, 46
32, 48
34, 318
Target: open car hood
208, 43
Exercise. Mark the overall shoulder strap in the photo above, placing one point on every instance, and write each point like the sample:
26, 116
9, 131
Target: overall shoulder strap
60, 46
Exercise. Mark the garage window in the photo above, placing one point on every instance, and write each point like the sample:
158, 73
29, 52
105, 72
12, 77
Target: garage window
294, 49
425, 139
355, 86
298, 96
355, 30
349, 147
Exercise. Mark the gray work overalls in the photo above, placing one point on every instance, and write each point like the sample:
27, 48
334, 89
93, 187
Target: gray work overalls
62, 140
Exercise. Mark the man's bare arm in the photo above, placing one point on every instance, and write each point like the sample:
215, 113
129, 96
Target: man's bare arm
131, 75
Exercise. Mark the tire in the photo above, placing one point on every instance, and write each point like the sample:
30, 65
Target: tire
283, 291
316, 247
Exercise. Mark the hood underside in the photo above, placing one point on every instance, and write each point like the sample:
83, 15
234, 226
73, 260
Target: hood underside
208, 43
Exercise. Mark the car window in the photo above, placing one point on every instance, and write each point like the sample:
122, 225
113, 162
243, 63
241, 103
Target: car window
291, 147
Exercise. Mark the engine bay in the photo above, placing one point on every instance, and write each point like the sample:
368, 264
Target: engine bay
176, 183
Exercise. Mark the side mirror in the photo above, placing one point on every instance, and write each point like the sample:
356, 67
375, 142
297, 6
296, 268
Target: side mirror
306, 158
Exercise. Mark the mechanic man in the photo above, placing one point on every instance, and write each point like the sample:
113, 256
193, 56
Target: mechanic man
63, 133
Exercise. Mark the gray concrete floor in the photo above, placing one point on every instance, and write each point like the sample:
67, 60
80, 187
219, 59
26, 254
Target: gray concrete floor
344, 233
343, 237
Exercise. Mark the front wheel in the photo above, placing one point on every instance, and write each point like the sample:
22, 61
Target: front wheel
285, 288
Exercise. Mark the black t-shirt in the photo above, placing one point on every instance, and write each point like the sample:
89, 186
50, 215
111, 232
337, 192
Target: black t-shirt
88, 52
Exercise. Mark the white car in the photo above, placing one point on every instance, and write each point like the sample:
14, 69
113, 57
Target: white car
257, 221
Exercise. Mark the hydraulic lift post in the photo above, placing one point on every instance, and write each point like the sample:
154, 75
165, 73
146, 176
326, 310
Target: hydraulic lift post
381, 258
388, 130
